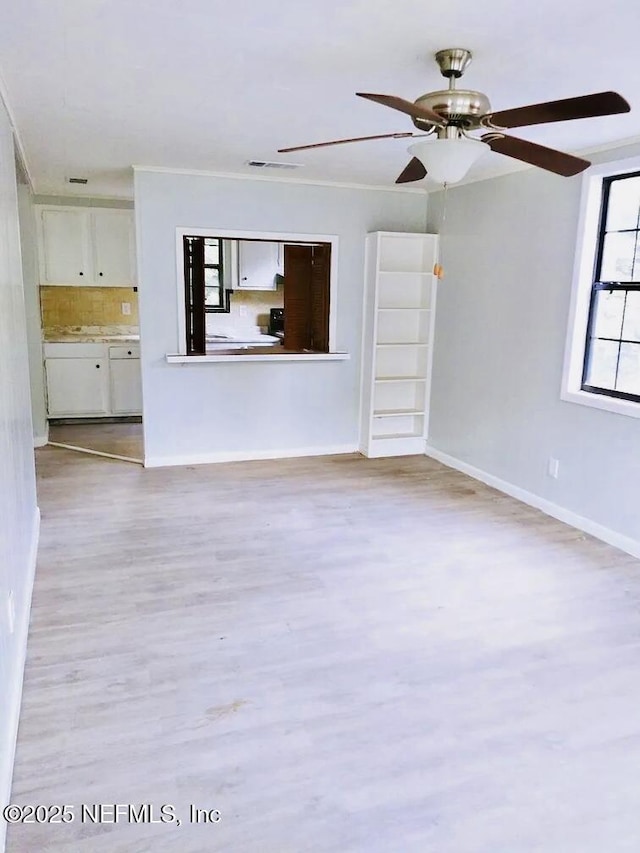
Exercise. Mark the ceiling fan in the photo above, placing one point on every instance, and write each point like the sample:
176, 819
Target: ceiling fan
451, 114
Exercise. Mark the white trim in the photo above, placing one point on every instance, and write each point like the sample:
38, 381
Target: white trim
585, 255
247, 356
280, 179
14, 691
42, 440
605, 534
52, 198
274, 236
4, 97
510, 167
247, 455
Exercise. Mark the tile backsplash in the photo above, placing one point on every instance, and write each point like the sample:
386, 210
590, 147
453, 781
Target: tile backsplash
249, 312
72, 307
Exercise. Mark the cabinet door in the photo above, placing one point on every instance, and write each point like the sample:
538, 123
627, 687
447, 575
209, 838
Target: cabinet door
112, 236
126, 387
64, 247
259, 263
77, 386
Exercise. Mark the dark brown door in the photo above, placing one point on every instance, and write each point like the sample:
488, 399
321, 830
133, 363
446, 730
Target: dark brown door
306, 297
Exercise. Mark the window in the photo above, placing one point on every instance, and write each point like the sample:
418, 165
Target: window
612, 351
602, 358
278, 293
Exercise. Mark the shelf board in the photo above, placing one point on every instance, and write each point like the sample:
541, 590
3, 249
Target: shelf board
404, 344
397, 435
394, 413
404, 272
400, 379
403, 308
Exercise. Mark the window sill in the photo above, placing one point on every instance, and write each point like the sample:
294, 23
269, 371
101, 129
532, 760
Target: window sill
247, 355
601, 401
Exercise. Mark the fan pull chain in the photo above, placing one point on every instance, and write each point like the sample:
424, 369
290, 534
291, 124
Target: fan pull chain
438, 269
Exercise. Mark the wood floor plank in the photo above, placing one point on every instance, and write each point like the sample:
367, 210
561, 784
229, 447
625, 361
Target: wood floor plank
342, 655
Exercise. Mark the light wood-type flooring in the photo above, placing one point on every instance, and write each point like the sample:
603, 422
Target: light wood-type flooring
341, 655
118, 439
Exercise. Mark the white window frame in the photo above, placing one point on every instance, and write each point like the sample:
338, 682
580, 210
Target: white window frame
273, 236
586, 249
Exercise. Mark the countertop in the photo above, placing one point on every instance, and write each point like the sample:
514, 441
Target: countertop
83, 338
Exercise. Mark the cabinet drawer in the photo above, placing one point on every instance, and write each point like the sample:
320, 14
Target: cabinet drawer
126, 351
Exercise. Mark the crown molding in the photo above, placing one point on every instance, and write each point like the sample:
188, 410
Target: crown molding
515, 166
241, 176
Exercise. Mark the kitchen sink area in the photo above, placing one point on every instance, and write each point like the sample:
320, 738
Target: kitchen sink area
230, 342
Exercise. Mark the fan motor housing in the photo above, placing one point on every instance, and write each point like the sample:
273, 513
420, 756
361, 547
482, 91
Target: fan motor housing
462, 107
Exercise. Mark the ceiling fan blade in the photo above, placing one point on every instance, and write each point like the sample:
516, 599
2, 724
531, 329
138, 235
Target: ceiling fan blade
415, 171
586, 106
342, 141
407, 107
536, 155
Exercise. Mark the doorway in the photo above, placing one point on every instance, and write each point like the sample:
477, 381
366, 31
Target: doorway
116, 438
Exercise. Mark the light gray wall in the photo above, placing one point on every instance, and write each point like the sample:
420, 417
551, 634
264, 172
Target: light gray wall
508, 252
191, 411
18, 511
29, 249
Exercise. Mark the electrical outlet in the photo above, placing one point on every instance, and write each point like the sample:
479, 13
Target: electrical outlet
11, 612
553, 468
126, 307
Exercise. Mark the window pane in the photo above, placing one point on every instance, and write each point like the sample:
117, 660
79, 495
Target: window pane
631, 327
608, 311
624, 203
629, 369
212, 297
602, 364
211, 277
617, 257
212, 288
212, 251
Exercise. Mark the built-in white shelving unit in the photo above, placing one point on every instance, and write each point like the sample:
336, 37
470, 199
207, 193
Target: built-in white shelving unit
399, 317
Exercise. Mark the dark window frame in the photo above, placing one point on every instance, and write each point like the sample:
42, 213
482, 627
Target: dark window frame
225, 294
598, 285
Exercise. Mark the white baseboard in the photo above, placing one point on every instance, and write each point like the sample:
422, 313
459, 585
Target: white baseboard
14, 692
41, 440
611, 537
246, 455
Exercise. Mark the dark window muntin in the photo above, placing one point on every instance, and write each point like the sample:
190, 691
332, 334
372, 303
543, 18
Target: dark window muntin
598, 285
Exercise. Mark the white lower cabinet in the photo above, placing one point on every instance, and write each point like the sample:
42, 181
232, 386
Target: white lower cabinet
92, 380
78, 386
126, 386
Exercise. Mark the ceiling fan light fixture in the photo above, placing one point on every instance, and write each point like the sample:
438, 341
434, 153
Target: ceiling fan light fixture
448, 160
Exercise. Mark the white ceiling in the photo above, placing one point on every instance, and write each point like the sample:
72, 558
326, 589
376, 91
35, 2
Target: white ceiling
96, 86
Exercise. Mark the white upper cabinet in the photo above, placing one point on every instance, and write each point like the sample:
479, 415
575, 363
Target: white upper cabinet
113, 245
86, 246
259, 263
65, 256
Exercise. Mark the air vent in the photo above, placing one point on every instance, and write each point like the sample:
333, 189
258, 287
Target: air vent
267, 164
78, 180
